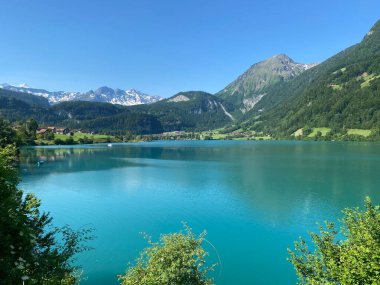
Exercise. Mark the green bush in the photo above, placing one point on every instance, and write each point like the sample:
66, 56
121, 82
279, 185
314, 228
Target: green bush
177, 259
347, 256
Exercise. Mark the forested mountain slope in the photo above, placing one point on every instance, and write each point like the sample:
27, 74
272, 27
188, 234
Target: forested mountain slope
190, 111
342, 92
186, 111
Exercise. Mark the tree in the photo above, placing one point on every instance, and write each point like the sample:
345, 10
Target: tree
29, 248
318, 135
177, 259
27, 132
49, 136
306, 131
7, 134
32, 127
69, 140
348, 256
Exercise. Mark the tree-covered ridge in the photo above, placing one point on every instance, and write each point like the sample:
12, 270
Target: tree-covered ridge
342, 92
104, 118
189, 111
339, 94
25, 97
17, 106
200, 111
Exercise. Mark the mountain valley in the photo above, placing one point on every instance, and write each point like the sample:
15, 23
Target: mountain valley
277, 98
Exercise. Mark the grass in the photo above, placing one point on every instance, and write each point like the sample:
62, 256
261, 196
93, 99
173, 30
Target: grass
298, 133
336, 87
96, 138
79, 135
359, 132
264, 138
323, 131
342, 70
367, 79
238, 134
43, 142
217, 136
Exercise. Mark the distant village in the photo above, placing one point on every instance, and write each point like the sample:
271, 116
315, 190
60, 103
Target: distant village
54, 130
61, 131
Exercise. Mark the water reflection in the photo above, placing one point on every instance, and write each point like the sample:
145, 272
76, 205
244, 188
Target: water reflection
276, 179
287, 182
254, 198
45, 161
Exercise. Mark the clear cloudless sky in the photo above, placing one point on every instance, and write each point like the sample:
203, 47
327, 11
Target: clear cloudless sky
165, 46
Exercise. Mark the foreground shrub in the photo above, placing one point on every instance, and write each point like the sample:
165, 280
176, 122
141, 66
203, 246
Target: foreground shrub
348, 256
32, 251
177, 259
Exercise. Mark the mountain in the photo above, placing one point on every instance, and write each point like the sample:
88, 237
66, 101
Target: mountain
17, 106
340, 93
103, 94
117, 96
185, 111
190, 111
105, 118
277, 97
250, 87
91, 116
26, 98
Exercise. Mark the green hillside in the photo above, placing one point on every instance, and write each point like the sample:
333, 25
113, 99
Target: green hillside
25, 97
16, 106
277, 97
189, 111
341, 93
104, 118
185, 111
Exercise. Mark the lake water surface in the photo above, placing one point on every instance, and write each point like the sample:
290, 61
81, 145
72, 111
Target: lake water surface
253, 198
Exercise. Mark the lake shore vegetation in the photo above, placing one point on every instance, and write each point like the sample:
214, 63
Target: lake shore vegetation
349, 255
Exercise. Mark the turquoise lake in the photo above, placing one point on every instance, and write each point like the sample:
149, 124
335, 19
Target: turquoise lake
254, 198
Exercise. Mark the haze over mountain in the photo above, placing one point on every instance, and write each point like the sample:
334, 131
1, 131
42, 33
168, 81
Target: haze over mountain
103, 94
250, 87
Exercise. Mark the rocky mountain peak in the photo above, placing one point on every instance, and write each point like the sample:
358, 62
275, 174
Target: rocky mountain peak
281, 58
104, 90
102, 94
251, 86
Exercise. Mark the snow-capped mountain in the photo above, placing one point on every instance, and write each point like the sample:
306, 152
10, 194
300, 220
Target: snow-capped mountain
119, 96
103, 94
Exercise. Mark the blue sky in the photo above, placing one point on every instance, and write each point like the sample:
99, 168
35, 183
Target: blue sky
162, 47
